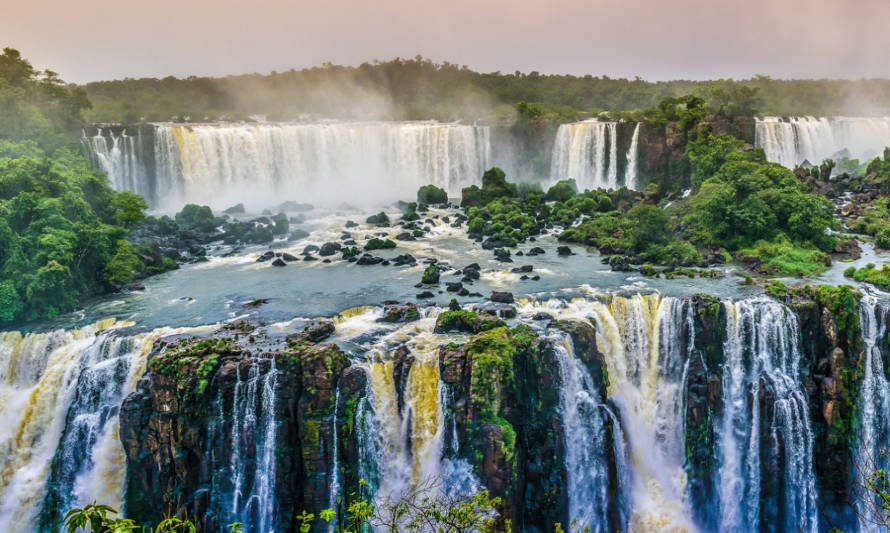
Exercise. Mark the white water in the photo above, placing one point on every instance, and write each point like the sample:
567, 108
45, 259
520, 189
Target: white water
874, 402
118, 156
762, 355
791, 141
59, 396
253, 437
642, 338
582, 420
333, 162
587, 152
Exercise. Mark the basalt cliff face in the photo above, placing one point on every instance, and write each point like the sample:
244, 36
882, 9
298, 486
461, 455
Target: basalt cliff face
548, 414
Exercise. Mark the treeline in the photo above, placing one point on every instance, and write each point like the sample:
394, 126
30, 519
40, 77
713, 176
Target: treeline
419, 88
63, 230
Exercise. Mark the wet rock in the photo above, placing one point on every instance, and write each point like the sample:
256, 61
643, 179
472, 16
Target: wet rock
396, 313
234, 210
405, 236
351, 224
267, 256
297, 234
521, 269
535, 251
278, 262
502, 255
288, 257
471, 271
454, 286
310, 249
564, 251
368, 259
329, 248
501, 297
424, 295
404, 259
316, 331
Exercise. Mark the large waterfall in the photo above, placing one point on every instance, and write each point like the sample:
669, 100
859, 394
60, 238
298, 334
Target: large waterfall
588, 152
765, 441
642, 338
59, 398
792, 141
264, 164
623, 435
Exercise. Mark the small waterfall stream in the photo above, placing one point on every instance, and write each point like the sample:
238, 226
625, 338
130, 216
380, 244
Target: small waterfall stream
587, 152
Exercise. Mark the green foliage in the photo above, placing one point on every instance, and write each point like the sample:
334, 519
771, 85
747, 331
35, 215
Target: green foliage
37, 106
562, 191
380, 244
494, 186
62, 233
380, 219
745, 200
879, 277
430, 275
430, 194
466, 321
785, 259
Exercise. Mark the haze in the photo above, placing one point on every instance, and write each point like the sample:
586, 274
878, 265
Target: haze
655, 39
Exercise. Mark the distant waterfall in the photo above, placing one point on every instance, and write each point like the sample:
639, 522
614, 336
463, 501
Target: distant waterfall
791, 141
588, 153
765, 424
874, 405
630, 175
582, 419
118, 155
354, 162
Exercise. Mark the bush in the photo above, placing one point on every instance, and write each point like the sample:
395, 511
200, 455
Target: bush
562, 191
379, 244
380, 219
430, 194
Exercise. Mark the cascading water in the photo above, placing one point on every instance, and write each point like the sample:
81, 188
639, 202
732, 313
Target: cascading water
643, 339
630, 174
765, 443
252, 462
118, 156
586, 461
59, 398
359, 161
874, 402
791, 141
587, 152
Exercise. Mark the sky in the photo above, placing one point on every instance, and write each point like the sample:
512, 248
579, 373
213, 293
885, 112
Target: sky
91, 40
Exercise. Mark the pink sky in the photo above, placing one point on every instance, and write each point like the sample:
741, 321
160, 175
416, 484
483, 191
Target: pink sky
655, 39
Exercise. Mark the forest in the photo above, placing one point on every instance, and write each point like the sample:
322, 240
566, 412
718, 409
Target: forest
420, 89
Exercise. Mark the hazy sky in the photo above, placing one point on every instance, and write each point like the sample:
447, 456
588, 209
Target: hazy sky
89, 40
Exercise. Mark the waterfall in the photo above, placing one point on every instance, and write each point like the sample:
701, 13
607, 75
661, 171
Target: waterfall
764, 450
874, 404
59, 398
791, 141
582, 420
359, 161
118, 156
411, 440
254, 446
335, 466
642, 338
588, 153
630, 175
